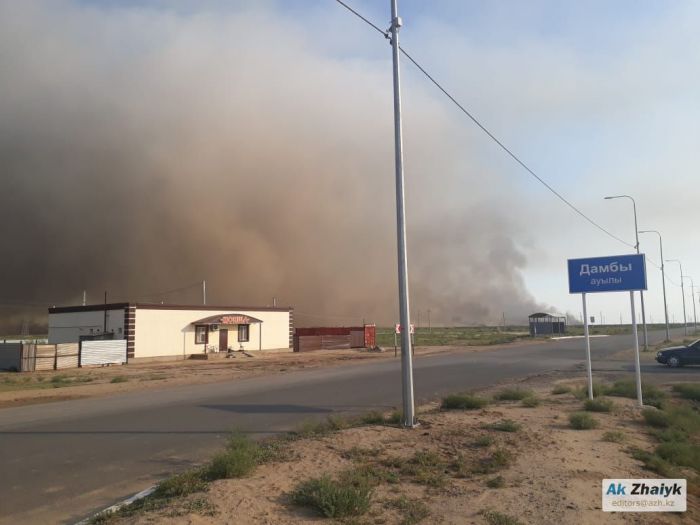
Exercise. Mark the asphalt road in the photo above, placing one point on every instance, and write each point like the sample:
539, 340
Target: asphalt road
61, 461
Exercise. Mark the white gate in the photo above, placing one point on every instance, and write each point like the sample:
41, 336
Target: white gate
105, 352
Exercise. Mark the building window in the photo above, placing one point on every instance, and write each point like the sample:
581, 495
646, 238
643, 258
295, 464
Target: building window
201, 334
243, 333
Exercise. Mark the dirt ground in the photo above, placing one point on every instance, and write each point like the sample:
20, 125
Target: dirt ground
551, 474
41, 387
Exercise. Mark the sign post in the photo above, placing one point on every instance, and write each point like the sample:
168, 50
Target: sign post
589, 368
621, 273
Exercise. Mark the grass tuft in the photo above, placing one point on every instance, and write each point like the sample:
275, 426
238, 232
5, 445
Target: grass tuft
561, 389
614, 436
598, 405
119, 379
531, 402
496, 483
505, 425
412, 510
348, 496
483, 441
513, 394
463, 402
493, 517
582, 421
688, 391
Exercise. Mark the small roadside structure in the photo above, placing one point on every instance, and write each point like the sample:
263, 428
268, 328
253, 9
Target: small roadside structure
174, 331
335, 338
542, 323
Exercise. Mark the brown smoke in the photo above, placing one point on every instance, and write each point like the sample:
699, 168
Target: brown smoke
141, 151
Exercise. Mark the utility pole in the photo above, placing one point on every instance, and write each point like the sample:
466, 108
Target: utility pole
663, 279
641, 292
404, 309
685, 319
692, 297
204, 293
504, 321
84, 297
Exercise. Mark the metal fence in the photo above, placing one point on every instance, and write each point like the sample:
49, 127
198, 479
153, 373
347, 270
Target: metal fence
23, 357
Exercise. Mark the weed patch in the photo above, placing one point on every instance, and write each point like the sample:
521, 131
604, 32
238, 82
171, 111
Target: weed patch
412, 510
598, 405
582, 421
119, 379
493, 517
496, 483
513, 394
348, 496
463, 402
505, 425
561, 389
531, 402
614, 436
688, 391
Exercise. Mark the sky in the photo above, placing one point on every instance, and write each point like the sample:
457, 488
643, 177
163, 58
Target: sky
179, 128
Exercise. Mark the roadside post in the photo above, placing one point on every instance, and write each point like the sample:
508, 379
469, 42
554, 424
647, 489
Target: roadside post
620, 273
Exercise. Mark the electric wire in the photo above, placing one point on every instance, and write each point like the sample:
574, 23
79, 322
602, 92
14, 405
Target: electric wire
483, 128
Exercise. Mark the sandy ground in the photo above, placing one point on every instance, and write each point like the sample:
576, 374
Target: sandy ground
554, 478
41, 387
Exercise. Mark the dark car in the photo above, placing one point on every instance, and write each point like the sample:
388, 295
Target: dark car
680, 355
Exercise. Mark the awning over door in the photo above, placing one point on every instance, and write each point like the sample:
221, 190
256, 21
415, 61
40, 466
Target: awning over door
227, 319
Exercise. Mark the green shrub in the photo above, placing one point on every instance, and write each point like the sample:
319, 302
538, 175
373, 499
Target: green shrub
180, 485
463, 402
483, 441
119, 379
582, 421
654, 463
496, 483
598, 405
628, 388
505, 425
513, 394
682, 454
614, 436
372, 418
493, 517
598, 390
412, 510
656, 418
531, 402
498, 460
561, 389
238, 460
688, 391
335, 499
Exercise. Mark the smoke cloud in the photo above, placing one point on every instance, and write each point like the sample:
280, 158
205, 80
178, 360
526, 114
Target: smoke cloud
142, 150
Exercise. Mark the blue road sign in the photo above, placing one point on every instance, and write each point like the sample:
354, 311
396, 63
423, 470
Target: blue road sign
620, 273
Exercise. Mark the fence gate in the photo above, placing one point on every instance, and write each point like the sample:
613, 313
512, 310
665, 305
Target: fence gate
105, 352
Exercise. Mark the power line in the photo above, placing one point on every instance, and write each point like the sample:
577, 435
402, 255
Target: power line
489, 133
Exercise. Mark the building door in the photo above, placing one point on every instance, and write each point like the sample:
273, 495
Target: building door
223, 340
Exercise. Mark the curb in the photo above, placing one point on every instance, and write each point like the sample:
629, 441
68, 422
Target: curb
128, 501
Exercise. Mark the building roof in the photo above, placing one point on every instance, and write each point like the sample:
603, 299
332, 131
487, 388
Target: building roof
232, 318
544, 314
159, 306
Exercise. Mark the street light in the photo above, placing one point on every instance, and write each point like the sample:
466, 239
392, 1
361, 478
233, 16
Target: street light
663, 278
692, 294
636, 236
685, 320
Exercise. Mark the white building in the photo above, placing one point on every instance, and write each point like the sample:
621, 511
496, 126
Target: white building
175, 331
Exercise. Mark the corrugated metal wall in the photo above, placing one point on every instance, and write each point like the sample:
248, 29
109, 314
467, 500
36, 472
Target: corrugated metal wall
333, 338
11, 356
103, 352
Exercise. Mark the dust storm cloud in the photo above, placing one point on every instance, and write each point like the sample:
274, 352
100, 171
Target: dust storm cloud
143, 149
